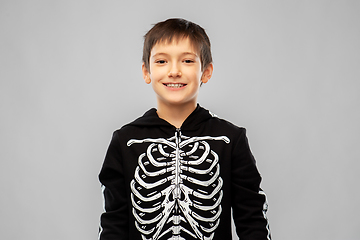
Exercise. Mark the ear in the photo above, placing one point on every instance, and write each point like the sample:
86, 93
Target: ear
146, 74
207, 73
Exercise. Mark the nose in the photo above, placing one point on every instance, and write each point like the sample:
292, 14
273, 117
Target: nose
174, 71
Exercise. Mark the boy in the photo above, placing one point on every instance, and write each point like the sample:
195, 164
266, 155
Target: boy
176, 172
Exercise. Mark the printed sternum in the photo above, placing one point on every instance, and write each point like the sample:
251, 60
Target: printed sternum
177, 180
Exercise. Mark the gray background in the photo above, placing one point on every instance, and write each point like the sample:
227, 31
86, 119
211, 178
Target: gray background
70, 74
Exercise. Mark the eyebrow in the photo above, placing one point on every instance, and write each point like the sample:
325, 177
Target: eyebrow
184, 53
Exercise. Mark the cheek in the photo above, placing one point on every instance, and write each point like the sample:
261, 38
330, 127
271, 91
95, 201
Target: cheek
158, 73
192, 72
196, 75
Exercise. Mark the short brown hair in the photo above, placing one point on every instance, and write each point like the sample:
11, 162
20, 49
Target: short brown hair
177, 28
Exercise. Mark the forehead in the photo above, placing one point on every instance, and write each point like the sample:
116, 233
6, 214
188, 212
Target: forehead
179, 45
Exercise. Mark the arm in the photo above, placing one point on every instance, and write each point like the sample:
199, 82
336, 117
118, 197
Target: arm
114, 221
248, 200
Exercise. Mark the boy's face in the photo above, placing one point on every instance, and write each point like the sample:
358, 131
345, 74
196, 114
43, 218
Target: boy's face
175, 72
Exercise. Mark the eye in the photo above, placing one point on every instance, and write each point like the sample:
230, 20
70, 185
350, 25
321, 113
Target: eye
189, 61
160, 61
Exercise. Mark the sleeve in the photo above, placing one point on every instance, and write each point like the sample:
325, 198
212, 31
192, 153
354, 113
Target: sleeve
114, 220
248, 200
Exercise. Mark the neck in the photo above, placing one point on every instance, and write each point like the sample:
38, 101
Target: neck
175, 114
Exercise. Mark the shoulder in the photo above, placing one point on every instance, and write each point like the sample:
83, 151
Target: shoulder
129, 131
226, 125
220, 122
149, 118
133, 127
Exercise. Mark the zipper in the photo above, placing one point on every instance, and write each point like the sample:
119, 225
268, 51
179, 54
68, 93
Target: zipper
177, 164
178, 132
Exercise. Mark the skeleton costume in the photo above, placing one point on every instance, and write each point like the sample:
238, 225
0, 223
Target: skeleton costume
160, 182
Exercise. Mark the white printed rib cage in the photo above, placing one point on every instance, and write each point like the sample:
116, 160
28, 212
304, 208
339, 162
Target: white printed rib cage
177, 190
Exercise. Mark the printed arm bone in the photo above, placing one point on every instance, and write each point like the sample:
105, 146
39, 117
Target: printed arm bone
153, 174
150, 185
196, 139
203, 183
201, 195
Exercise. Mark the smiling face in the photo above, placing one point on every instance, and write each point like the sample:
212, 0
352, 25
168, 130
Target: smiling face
175, 73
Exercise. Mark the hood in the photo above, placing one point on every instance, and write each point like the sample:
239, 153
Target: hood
151, 119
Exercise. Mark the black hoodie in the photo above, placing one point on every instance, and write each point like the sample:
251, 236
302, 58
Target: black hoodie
160, 182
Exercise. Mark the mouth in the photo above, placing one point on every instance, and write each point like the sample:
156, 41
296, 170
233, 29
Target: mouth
175, 85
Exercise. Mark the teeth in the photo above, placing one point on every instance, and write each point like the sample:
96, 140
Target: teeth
175, 85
